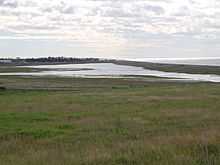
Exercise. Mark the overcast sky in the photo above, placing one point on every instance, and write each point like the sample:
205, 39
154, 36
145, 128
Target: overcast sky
110, 28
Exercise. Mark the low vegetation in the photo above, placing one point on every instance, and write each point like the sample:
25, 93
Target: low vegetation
192, 69
13, 69
63, 121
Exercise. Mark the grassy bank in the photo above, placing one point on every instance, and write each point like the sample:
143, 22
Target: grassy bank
193, 69
12, 69
108, 122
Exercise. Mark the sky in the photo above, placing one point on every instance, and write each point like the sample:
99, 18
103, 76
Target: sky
121, 29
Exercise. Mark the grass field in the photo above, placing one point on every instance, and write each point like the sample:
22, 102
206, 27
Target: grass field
61, 121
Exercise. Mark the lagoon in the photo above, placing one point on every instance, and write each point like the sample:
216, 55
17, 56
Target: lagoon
110, 70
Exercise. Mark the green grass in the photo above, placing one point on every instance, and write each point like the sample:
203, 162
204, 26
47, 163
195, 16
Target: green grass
109, 122
11, 69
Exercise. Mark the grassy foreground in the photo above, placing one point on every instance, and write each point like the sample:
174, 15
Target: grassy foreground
108, 122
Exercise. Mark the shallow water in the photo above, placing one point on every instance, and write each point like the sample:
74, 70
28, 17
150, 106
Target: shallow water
109, 70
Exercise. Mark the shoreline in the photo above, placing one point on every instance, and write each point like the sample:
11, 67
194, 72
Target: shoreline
176, 68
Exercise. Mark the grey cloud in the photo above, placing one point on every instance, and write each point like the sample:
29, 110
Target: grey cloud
65, 8
183, 11
68, 10
9, 3
155, 9
117, 12
117, 9
108, 16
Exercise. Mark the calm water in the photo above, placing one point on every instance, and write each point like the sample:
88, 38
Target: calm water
112, 70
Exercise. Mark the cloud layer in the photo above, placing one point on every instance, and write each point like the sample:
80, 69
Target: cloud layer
140, 23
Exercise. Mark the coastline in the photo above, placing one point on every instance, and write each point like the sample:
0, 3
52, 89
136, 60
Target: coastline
177, 68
